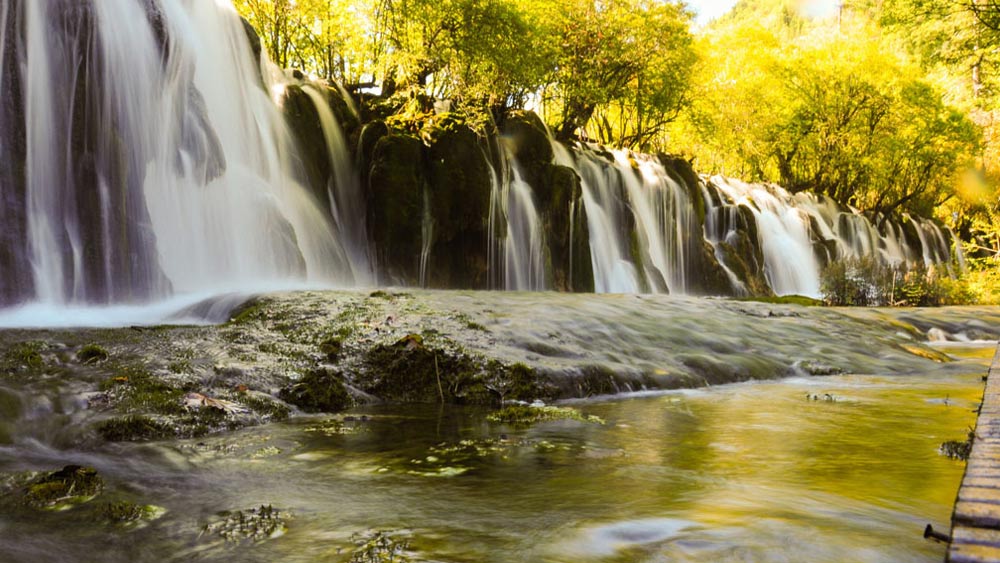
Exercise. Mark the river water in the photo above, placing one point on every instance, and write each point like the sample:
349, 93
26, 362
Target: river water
835, 468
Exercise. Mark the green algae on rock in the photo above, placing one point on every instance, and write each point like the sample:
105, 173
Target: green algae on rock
530, 414
129, 515
254, 524
92, 354
63, 489
319, 390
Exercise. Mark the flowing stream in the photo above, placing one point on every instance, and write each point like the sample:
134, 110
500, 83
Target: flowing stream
823, 468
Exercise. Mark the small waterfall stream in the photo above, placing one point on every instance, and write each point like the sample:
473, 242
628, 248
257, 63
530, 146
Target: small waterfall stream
518, 257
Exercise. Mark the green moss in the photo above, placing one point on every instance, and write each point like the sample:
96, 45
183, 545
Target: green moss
255, 524
62, 489
526, 414
254, 310
331, 347
320, 390
92, 354
121, 512
265, 407
134, 428
786, 300
411, 371
23, 357
134, 389
180, 366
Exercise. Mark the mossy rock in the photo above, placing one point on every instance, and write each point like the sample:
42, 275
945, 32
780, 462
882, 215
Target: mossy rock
681, 171
254, 524
92, 354
787, 300
331, 347
460, 184
320, 390
59, 490
134, 428
396, 185
136, 390
710, 277
303, 121
409, 371
127, 514
370, 135
564, 220
523, 415
22, 357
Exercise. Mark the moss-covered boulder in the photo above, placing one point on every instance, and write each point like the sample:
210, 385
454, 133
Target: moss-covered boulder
63, 489
396, 186
411, 371
320, 390
134, 428
460, 184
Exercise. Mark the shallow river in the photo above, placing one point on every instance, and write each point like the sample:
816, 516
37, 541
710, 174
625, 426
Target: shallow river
837, 468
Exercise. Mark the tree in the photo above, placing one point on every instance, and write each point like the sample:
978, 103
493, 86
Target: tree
632, 55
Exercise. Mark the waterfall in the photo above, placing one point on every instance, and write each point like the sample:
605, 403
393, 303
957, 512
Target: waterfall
521, 260
156, 162
791, 264
646, 233
344, 189
147, 156
614, 271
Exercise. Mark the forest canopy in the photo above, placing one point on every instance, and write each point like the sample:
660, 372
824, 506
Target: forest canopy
890, 107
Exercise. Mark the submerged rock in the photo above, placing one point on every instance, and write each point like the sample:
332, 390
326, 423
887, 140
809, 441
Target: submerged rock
254, 524
531, 414
63, 489
125, 514
379, 547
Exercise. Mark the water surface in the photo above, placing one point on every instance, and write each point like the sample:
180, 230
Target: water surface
837, 468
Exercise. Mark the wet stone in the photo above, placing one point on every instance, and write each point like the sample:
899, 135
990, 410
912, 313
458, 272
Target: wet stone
254, 524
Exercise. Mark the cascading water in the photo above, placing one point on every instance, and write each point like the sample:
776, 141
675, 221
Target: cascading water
344, 188
155, 161
646, 234
791, 264
614, 271
798, 233
520, 261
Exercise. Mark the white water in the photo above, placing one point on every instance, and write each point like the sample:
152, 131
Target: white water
523, 247
791, 265
344, 189
189, 185
614, 271
637, 211
517, 258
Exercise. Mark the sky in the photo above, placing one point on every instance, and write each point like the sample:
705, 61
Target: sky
708, 10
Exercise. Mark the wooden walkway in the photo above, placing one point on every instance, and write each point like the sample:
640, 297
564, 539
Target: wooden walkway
975, 524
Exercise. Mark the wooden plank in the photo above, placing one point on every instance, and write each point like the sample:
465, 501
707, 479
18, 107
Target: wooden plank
975, 523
